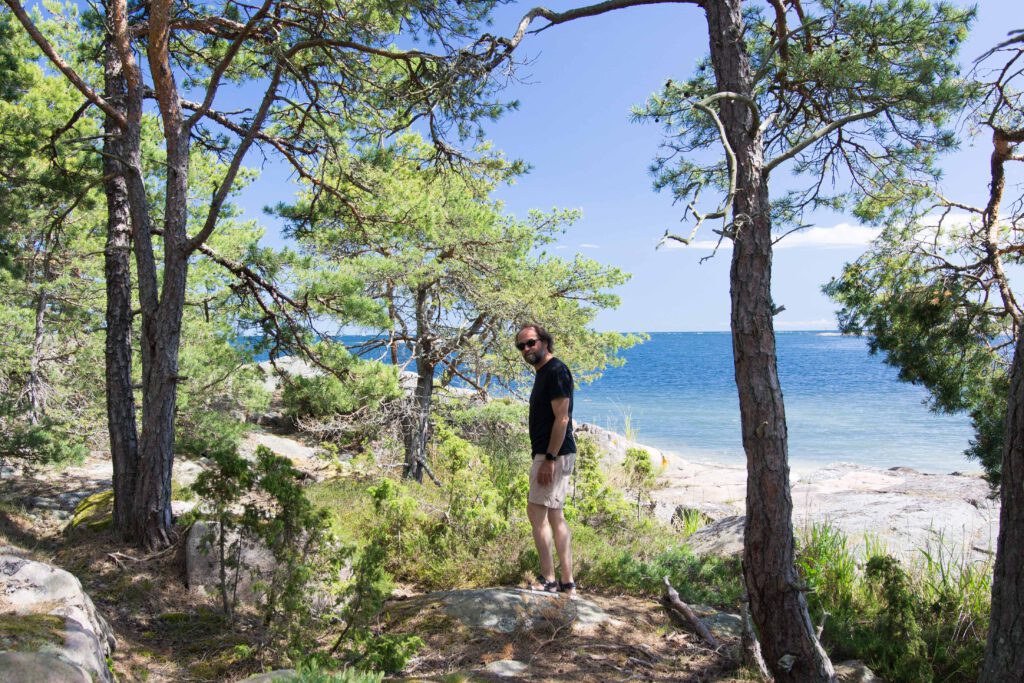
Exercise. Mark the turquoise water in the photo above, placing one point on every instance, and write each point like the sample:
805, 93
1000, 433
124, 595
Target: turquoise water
842, 404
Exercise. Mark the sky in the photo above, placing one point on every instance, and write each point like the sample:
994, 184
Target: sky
573, 127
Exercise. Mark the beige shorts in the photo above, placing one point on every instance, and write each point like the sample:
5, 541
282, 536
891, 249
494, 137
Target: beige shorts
552, 495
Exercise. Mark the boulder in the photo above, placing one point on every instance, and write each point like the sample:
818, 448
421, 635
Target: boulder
202, 562
855, 671
48, 622
613, 446
724, 538
256, 562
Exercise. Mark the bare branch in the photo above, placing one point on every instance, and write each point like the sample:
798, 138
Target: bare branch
65, 68
819, 134
225, 62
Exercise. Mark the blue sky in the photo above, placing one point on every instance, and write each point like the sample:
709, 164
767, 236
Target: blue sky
573, 127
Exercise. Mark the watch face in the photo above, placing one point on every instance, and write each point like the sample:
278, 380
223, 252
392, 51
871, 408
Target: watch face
549, 456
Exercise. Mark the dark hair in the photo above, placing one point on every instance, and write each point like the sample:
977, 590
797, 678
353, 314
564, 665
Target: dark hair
542, 334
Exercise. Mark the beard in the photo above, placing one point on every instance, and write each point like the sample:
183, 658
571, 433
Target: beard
532, 357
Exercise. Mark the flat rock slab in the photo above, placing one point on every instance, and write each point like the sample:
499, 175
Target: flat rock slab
295, 451
509, 668
507, 610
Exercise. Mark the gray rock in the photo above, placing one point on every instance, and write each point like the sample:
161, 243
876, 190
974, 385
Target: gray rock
721, 624
855, 671
507, 610
271, 676
34, 589
37, 667
256, 565
724, 538
509, 668
202, 562
613, 446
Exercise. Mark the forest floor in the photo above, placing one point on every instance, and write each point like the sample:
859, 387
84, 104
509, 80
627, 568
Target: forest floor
166, 632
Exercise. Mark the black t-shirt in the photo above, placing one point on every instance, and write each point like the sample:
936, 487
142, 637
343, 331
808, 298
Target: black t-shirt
553, 381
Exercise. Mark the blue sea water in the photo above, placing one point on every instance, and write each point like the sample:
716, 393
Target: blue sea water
677, 393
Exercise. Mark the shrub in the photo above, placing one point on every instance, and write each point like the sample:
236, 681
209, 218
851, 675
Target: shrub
593, 502
366, 383
926, 622
309, 558
48, 442
207, 432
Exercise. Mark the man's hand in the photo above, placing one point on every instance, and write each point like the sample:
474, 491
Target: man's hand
546, 472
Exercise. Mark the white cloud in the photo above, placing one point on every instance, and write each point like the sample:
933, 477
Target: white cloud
842, 235
586, 245
838, 236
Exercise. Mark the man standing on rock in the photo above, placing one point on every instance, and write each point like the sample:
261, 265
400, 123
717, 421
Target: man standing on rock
554, 455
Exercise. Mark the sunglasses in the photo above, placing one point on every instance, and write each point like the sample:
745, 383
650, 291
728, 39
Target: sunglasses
528, 344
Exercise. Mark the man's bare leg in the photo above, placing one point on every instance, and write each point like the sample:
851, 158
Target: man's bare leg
563, 542
538, 515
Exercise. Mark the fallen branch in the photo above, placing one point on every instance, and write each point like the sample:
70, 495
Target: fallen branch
672, 597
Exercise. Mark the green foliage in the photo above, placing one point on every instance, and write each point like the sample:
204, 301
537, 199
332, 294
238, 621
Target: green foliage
51, 379
925, 623
432, 240
498, 428
207, 432
635, 561
594, 502
352, 388
639, 475
277, 513
899, 649
220, 489
312, 673
936, 331
887, 70
48, 442
826, 563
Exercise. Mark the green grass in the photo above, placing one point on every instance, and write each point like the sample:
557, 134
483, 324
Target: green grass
924, 622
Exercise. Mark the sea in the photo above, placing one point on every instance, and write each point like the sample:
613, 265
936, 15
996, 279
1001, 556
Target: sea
676, 392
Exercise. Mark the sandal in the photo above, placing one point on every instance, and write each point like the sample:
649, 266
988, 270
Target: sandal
544, 586
568, 587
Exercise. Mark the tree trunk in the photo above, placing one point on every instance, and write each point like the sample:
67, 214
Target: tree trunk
36, 398
778, 606
121, 425
160, 343
417, 421
417, 426
1004, 654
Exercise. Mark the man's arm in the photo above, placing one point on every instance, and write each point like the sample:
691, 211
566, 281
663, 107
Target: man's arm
560, 406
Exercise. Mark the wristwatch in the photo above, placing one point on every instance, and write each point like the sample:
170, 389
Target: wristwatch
550, 456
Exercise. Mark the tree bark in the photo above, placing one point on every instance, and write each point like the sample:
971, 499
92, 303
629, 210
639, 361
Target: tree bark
417, 423
1004, 654
36, 397
161, 295
121, 424
779, 609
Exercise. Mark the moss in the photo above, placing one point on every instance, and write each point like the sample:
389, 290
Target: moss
95, 511
30, 632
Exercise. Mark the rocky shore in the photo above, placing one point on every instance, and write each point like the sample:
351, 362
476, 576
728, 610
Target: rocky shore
951, 516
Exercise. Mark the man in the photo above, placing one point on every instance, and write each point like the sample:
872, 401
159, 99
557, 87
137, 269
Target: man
554, 455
